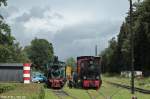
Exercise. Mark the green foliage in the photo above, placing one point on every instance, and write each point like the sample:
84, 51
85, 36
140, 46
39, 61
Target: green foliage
9, 51
5, 34
4, 2
12, 54
5, 54
40, 52
71, 62
117, 56
109, 57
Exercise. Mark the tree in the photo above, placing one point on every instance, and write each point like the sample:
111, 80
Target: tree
6, 40
40, 52
71, 62
5, 31
109, 58
121, 55
9, 51
142, 36
4, 2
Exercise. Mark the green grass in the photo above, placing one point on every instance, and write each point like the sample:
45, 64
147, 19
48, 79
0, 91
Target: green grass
29, 91
139, 82
105, 92
37, 91
4, 87
79, 93
50, 95
118, 93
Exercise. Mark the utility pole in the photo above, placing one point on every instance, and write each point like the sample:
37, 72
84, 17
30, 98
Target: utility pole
132, 49
95, 50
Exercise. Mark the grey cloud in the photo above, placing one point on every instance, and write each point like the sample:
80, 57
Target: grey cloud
19, 31
73, 40
23, 18
81, 39
20, 34
36, 12
88, 31
8, 11
57, 15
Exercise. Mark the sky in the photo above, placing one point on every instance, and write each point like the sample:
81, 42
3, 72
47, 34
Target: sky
74, 27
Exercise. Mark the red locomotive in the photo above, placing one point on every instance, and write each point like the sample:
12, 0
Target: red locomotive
88, 71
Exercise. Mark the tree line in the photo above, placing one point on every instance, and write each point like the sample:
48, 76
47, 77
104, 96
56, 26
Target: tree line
117, 57
39, 52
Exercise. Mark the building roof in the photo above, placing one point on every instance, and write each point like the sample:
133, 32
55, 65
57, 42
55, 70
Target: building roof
11, 64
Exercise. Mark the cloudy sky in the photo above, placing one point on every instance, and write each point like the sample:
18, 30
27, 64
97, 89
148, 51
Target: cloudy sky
73, 26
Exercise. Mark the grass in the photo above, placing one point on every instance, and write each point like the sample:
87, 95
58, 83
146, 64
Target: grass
50, 95
105, 92
108, 90
28, 91
37, 91
4, 87
79, 93
139, 82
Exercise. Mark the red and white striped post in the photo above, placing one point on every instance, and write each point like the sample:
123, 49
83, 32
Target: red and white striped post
26, 73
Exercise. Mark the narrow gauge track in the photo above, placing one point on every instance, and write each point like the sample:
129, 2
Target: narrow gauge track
90, 95
129, 87
61, 94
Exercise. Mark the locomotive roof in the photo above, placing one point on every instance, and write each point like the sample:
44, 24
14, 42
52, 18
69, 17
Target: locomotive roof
88, 57
58, 64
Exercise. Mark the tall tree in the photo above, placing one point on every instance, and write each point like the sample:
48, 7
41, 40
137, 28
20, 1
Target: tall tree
109, 57
40, 52
9, 51
142, 36
141, 30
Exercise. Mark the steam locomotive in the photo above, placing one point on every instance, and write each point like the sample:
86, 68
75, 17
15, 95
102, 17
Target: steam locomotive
88, 72
56, 74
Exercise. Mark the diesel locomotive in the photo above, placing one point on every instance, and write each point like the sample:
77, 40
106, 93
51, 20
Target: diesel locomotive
88, 72
56, 74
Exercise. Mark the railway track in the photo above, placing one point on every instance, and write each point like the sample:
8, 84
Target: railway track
61, 94
91, 94
129, 87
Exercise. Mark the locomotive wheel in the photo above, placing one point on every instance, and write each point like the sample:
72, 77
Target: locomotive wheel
70, 84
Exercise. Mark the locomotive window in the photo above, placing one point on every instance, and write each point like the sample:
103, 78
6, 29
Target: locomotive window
82, 65
91, 62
